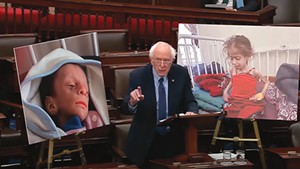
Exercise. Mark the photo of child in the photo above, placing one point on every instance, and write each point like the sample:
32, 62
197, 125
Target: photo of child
57, 93
242, 71
243, 100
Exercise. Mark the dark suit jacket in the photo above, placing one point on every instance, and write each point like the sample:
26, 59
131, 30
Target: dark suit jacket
143, 126
249, 5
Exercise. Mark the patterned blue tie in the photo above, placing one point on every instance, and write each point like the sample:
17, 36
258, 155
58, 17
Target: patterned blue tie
162, 108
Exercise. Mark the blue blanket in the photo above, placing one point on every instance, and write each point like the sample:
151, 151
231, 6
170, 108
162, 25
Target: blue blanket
207, 102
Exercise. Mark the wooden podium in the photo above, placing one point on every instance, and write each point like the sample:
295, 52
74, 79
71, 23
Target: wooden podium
191, 125
192, 158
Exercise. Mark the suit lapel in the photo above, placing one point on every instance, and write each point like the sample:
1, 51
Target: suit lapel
150, 87
171, 91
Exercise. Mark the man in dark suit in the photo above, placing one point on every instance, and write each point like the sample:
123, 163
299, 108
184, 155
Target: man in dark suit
237, 5
145, 139
245, 5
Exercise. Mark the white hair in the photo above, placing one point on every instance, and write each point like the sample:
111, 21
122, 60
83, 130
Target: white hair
151, 51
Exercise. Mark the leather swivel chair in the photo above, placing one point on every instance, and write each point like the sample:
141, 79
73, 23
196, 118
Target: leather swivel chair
295, 134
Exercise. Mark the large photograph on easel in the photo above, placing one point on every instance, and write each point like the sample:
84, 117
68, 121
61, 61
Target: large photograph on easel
62, 93
244, 71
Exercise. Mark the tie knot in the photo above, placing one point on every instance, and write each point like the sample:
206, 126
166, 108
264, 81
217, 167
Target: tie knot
161, 80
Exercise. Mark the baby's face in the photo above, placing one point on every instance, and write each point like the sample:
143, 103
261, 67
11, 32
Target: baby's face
71, 91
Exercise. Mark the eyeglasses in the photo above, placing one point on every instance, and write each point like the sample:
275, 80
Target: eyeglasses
164, 62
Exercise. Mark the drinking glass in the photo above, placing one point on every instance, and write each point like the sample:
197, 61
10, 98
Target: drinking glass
226, 158
240, 157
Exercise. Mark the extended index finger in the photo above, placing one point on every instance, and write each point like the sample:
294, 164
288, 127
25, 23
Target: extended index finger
139, 90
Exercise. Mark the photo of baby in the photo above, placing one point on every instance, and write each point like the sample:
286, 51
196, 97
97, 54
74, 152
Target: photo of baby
63, 94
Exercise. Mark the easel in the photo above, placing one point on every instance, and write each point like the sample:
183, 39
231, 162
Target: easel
240, 139
52, 156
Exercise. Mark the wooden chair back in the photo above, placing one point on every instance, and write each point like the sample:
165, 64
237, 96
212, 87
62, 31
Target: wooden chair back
10, 41
111, 40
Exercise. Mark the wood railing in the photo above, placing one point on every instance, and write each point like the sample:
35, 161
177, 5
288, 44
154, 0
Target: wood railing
146, 23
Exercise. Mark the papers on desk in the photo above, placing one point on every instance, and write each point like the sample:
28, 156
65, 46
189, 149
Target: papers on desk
169, 119
219, 156
166, 121
293, 153
221, 6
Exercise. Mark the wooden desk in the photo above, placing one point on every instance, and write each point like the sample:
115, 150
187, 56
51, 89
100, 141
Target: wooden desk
100, 166
199, 160
124, 57
278, 158
186, 3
